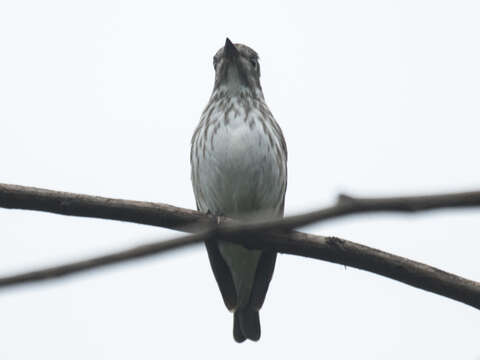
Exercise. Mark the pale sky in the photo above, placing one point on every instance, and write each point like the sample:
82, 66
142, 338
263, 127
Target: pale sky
375, 98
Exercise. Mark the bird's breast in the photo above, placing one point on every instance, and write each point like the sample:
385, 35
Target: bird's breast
235, 165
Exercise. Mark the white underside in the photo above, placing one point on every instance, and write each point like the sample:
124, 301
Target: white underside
237, 175
243, 265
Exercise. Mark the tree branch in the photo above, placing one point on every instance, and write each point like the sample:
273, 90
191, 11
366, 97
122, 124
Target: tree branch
331, 249
325, 248
91, 263
176, 218
64, 203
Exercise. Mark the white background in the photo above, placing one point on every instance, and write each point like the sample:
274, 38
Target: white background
374, 98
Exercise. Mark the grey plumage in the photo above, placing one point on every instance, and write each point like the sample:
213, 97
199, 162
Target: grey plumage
239, 169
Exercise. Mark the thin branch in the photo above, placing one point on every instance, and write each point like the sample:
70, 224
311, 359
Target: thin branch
64, 203
296, 243
325, 248
133, 253
348, 205
176, 218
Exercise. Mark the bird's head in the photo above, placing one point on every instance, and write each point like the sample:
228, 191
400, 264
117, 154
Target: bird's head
237, 70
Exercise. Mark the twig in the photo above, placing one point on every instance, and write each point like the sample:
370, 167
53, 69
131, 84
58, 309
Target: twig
91, 263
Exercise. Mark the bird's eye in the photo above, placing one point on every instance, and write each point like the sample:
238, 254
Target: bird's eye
253, 62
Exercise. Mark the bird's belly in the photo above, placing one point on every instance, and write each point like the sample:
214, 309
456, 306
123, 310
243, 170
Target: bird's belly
238, 177
239, 172
243, 266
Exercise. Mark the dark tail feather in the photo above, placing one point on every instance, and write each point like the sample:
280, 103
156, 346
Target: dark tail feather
246, 325
237, 332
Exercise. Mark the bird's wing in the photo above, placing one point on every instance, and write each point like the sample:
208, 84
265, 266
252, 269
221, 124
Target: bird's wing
220, 269
222, 274
264, 273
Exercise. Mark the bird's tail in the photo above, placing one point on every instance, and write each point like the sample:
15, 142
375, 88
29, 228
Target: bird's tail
246, 324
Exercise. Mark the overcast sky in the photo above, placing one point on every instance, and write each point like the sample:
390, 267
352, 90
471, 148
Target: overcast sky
374, 98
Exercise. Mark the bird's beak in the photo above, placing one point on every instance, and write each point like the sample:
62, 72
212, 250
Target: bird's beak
230, 51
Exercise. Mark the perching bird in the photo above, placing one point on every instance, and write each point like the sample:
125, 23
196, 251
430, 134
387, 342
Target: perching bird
239, 168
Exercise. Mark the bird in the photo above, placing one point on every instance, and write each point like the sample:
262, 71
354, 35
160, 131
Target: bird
239, 169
